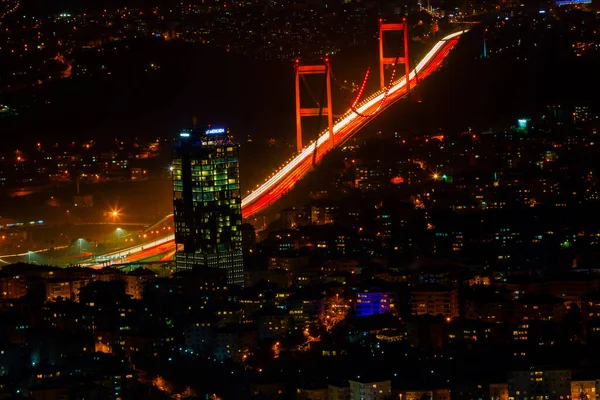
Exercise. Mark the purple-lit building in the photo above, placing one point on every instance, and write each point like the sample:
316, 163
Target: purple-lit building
373, 302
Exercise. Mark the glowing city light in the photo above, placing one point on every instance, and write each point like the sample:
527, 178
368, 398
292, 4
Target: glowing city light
522, 122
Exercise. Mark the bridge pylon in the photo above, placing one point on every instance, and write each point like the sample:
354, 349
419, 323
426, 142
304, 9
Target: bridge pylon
315, 111
384, 27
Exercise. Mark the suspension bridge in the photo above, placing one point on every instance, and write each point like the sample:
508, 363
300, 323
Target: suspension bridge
358, 115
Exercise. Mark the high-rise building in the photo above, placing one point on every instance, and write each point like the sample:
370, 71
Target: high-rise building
207, 202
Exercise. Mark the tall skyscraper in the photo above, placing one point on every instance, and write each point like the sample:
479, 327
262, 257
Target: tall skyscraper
207, 202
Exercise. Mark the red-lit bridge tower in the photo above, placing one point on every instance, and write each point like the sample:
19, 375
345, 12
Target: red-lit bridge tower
313, 112
383, 27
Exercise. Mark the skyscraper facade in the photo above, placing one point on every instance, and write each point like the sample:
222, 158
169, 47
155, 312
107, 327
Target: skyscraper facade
207, 202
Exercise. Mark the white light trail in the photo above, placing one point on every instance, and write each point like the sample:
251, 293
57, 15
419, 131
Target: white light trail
342, 122
32, 252
137, 249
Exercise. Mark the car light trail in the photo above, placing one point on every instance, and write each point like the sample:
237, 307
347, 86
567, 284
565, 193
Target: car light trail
269, 191
343, 134
137, 249
284, 179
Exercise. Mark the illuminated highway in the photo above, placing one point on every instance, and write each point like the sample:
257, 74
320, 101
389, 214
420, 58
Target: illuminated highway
138, 248
286, 177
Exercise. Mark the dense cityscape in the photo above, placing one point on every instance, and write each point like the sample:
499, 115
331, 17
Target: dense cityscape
429, 232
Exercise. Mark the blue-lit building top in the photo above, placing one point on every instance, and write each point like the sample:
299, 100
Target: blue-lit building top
373, 302
207, 202
572, 2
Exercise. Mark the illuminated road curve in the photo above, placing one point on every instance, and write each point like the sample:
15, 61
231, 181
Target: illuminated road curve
138, 248
345, 127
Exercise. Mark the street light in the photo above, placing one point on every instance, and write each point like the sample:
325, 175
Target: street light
114, 213
80, 253
118, 235
29, 257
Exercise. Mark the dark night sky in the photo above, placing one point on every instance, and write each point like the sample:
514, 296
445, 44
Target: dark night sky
51, 6
256, 97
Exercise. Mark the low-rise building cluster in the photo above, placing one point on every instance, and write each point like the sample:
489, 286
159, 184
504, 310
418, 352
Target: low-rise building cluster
354, 331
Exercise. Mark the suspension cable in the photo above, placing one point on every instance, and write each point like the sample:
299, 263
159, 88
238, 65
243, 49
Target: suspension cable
323, 95
385, 95
356, 100
360, 91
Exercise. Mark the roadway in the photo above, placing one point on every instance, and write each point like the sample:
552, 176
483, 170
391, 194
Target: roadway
144, 251
345, 127
153, 231
287, 176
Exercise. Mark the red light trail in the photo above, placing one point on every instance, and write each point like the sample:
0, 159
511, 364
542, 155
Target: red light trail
285, 178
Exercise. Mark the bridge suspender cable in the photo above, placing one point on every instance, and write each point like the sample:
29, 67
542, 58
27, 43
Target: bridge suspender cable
383, 99
323, 94
320, 104
360, 91
310, 92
